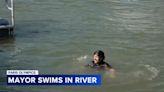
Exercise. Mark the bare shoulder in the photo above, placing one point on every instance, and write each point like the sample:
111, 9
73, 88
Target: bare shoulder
112, 72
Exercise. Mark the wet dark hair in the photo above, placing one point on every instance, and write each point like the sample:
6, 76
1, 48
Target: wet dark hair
100, 53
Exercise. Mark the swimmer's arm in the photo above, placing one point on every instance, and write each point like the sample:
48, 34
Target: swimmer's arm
111, 72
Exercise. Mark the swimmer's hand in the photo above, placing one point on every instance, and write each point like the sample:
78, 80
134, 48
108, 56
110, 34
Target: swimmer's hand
111, 73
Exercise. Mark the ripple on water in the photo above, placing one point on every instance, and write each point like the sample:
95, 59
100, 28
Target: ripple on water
147, 72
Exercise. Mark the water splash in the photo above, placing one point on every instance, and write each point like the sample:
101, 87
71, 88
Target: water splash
82, 58
154, 71
13, 61
147, 72
15, 52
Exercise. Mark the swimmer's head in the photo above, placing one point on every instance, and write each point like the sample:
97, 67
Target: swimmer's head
98, 56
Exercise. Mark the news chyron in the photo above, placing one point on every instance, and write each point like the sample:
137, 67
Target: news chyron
32, 77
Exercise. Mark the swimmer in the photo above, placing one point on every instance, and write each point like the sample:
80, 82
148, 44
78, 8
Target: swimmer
99, 63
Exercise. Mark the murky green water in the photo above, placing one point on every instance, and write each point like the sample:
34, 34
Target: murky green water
59, 36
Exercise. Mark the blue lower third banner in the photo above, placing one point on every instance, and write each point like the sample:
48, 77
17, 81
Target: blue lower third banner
86, 80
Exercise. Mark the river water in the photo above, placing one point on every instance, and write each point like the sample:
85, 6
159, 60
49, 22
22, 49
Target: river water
60, 36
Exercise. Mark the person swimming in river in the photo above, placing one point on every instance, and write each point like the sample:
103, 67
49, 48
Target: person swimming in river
99, 63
